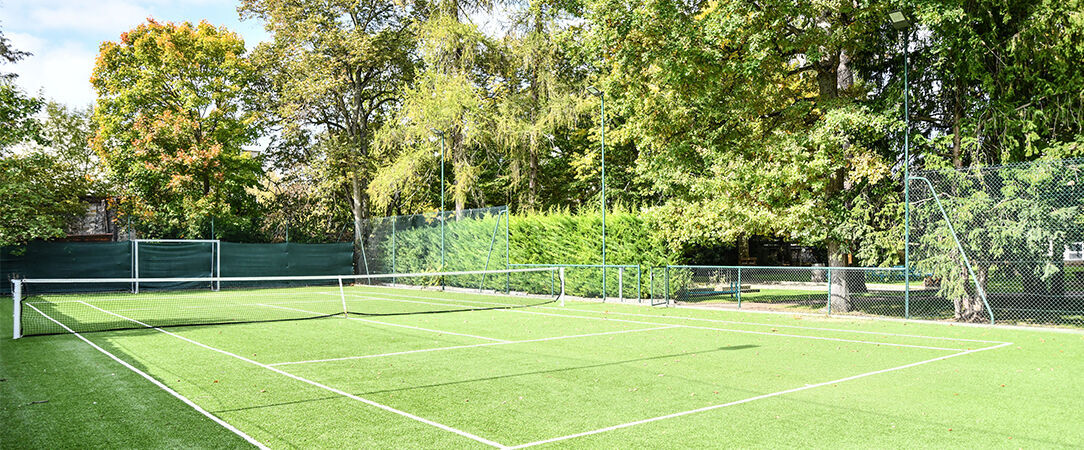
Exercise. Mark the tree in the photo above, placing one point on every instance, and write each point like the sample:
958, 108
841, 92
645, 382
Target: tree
45, 196
336, 72
451, 94
1013, 223
538, 97
65, 135
17, 110
780, 142
997, 82
172, 116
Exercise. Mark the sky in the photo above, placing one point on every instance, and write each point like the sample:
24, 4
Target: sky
64, 35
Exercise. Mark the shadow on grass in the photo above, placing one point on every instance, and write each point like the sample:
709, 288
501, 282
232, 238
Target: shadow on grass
564, 369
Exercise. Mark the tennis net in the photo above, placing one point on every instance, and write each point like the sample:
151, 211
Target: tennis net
52, 306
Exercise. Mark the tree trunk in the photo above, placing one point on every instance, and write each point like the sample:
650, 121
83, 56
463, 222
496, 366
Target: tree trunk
974, 310
969, 307
839, 299
532, 181
459, 164
359, 206
957, 142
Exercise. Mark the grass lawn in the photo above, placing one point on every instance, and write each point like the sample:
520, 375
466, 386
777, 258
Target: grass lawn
586, 375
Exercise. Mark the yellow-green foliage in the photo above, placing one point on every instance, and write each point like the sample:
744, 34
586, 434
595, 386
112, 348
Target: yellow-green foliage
557, 237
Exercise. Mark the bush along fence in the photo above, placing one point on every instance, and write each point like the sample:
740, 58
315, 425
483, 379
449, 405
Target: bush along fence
490, 238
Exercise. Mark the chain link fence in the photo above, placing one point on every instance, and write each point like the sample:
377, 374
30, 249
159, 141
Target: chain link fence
472, 239
827, 290
1002, 244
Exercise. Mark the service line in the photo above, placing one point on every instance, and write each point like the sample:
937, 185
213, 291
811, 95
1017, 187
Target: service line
316, 384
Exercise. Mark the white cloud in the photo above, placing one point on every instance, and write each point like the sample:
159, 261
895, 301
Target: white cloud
61, 72
26, 42
64, 36
108, 16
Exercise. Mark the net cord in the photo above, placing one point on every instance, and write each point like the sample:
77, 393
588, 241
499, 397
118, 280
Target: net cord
279, 278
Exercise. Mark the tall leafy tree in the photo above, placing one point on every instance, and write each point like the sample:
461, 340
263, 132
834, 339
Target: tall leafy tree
336, 71
995, 82
780, 142
454, 94
172, 116
45, 189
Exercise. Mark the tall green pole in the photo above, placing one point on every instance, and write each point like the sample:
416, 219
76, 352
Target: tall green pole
602, 107
906, 181
602, 98
443, 217
899, 21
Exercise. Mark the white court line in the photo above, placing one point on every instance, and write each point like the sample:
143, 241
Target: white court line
703, 320
392, 324
235, 305
751, 399
488, 344
314, 383
735, 322
143, 374
764, 333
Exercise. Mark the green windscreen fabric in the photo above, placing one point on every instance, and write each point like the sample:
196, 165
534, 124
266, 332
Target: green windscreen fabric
175, 260
170, 260
65, 260
262, 260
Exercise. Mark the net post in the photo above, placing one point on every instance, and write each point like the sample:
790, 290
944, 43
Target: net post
217, 269
135, 265
561, 274
395, 220
17, 307
342, 295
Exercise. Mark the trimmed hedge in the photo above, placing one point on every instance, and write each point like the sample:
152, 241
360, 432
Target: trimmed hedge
557, 237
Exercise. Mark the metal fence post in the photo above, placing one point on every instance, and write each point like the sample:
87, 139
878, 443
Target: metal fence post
907, 292
666, 284
561, 273
639, 283
620, 284
651, 285
394, 269
829, 310
739, 287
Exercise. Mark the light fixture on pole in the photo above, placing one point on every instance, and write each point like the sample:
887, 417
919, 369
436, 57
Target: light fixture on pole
602, 108
441, 215
901, 23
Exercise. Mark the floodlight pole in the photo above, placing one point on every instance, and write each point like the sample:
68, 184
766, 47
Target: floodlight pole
906, 183
899, 22
602, 109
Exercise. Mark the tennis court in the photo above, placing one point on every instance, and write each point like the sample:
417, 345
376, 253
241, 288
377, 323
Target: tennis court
398, 364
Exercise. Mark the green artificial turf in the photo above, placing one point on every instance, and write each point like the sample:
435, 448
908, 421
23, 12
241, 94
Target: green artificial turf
524, 375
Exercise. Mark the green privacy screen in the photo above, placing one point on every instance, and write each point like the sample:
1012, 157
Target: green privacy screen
187, 259
260, 260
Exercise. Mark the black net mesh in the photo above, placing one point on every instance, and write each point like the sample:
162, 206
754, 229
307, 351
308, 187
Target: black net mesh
55, 306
